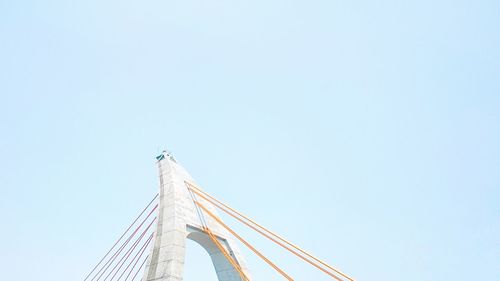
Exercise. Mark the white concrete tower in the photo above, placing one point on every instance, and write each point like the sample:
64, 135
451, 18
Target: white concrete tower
177, 220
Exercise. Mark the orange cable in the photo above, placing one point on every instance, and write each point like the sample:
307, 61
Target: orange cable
214, 239
246, 243
199, 192
272, 233
228, 257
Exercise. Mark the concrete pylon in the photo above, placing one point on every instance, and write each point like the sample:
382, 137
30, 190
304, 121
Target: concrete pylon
179, 220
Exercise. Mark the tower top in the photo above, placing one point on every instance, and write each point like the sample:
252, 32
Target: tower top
166, 155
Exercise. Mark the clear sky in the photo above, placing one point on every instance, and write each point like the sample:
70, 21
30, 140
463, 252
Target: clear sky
366, 131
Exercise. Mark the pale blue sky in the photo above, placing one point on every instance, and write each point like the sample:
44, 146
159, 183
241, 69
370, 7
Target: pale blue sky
366, 131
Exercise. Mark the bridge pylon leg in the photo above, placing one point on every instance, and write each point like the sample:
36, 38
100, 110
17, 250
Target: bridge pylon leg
178, 220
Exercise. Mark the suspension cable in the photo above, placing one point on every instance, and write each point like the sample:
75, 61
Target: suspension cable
119, 239
138, 256
279, 270
139, 270
214, 238
122, 261
226, 254
200, 214
255, 225
112, 259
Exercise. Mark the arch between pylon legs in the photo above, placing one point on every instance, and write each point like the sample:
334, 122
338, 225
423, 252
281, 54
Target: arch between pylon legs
223, 268
169, 252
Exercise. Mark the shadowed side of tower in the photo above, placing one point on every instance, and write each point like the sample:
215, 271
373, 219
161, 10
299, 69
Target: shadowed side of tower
178, 219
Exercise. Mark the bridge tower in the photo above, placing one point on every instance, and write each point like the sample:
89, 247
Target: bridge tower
178, 220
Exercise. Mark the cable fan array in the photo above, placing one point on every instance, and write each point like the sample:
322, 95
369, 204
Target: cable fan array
272, 236
127, 256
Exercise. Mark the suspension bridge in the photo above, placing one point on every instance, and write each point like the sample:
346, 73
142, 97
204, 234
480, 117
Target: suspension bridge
152, 248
